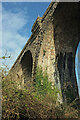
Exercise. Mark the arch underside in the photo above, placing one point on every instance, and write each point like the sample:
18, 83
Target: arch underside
66, 35
27, 64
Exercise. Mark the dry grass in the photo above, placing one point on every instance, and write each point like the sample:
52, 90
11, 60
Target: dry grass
21, 104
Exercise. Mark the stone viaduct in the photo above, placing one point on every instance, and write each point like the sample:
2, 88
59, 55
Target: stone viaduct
53, 44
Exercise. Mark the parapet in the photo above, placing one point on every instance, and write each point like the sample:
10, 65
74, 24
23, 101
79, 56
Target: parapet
37, 25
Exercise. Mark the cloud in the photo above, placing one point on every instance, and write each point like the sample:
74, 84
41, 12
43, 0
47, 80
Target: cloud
0, 30
13, 21
0, 20
13, 40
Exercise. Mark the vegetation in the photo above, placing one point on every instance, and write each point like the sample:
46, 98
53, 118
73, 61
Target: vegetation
44, 87
44, 52
68, 91
37, 101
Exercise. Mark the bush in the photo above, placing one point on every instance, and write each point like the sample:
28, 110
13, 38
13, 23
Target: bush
37, 102
44, 87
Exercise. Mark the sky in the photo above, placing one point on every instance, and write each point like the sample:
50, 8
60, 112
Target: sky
17, 20
77, 66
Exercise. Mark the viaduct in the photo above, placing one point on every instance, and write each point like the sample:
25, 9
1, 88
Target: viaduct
52, 44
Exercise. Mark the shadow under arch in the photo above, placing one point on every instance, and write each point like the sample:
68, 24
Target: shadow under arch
27, 64
66, 38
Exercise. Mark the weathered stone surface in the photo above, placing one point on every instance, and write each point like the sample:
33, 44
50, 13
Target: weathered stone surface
53, 44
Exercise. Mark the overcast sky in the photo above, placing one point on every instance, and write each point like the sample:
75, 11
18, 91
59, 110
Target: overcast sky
17, 21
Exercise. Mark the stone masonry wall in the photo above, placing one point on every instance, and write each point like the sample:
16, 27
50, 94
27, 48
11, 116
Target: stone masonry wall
33, 45
66, 37
53, 44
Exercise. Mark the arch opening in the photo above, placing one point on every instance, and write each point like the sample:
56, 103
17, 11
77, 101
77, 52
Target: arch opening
27, 64
77, 67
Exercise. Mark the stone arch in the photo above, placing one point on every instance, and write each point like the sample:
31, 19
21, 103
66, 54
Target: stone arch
27, 65
66, 37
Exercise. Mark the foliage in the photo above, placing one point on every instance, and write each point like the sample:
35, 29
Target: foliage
44, 52
68, 91
44, 87
26, 104
4, 57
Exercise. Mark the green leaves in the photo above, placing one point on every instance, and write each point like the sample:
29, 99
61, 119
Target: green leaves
3, 57
44, 52
29, 102
43, 86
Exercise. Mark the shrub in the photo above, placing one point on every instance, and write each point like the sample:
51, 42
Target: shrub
44, 87
68, 92
37, 102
